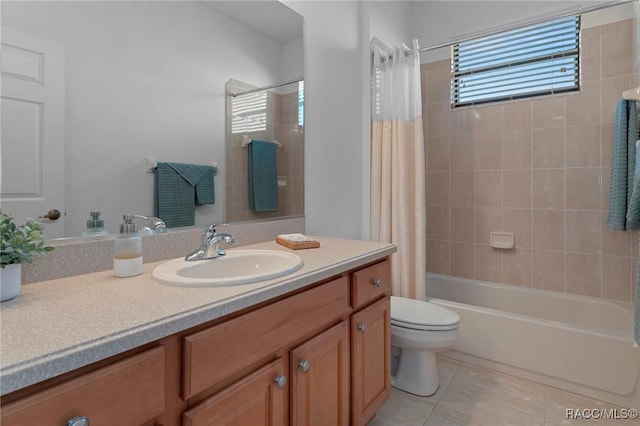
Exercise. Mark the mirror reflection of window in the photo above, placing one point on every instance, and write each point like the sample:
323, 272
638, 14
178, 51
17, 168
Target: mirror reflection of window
249, 113
301, 103
274, 113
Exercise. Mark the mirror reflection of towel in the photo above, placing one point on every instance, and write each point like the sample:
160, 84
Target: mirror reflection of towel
179, 187
263, 176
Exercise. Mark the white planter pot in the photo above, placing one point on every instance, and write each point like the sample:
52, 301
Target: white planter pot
10, 281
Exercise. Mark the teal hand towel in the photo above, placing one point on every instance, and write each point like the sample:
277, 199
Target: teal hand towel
178, 188
623, 163
201, 178
263, 176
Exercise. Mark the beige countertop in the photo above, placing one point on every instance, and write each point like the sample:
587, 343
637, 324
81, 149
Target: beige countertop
57, 326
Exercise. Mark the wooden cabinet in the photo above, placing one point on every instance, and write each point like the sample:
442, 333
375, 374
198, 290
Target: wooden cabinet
370, 360
370, 283
320, 356
259, 399
128, 392
320, 379
218, 352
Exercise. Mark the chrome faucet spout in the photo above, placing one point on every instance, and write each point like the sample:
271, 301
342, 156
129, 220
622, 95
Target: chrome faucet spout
209, 249
157, 224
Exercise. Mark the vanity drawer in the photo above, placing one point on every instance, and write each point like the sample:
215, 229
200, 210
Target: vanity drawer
129, 392
223, 350
370, 283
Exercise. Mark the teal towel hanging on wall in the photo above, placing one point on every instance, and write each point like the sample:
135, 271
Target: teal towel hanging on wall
179, 187
623, 164
263, 176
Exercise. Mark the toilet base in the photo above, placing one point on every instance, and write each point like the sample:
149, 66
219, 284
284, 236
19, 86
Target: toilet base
417, 372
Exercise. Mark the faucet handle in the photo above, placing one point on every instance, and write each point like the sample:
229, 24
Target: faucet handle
210, 232
211, 229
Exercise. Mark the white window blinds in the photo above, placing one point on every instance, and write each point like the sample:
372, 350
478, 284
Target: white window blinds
539, 59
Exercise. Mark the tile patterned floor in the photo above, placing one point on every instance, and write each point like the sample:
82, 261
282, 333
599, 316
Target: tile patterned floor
472, 395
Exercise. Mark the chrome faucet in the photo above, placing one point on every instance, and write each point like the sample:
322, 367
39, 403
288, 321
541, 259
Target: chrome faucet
210, 242
157, 225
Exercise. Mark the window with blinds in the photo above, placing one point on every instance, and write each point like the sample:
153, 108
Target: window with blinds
301, 103
249, 112
536, 60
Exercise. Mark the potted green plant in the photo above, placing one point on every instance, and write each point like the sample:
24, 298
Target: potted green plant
18, 244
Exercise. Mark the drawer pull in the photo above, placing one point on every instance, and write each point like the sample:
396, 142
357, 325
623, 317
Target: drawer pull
304, 365
377, 282
78, 421
362, 328
280, 381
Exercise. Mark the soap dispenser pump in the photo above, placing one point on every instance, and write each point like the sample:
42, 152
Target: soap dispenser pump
127, 259
95, 225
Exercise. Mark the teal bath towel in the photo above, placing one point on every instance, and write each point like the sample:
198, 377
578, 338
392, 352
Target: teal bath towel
633, 218
623, 164
179, 188
624, 189
263, 176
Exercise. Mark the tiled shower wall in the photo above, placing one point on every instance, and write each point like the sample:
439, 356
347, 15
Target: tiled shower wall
538, 168
282, 126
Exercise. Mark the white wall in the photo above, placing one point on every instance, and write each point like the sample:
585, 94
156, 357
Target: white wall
333, 127
292, 66
390, 21
143, 78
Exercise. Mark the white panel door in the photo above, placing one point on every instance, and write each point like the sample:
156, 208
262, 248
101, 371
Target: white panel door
32, 136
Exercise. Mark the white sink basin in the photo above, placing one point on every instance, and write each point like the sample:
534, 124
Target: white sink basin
235, 268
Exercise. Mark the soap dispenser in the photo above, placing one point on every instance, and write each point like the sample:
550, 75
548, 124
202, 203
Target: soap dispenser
95, 225
127, 259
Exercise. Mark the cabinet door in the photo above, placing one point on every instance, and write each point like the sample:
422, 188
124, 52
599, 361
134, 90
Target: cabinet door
370, 360
259, 399
128, 392
320, 379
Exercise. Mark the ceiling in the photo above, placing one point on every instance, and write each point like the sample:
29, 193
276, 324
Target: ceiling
269, 17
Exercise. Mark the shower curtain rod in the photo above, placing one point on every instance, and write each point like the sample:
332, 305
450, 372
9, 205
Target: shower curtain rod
535, 20
272, 86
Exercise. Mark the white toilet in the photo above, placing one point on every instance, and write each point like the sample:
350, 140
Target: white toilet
419, 330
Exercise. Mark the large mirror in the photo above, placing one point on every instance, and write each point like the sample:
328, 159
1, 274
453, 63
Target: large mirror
94, 93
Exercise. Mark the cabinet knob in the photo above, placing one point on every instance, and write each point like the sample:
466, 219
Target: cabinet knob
304, 365
78, 421
362, 327
377, 282
280, 381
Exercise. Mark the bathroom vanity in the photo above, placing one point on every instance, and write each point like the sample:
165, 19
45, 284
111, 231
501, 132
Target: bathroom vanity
312, 347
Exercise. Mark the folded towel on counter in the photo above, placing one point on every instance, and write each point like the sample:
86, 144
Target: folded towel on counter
296, 238
297, 241
263, 176
623, 164
179, 188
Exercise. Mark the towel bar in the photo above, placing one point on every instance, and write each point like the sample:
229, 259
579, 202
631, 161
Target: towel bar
151, 164
246, 140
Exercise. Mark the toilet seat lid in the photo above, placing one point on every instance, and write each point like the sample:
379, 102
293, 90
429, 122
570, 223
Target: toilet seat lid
421, 315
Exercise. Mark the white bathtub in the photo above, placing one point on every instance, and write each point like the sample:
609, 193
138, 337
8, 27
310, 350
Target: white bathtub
577, 343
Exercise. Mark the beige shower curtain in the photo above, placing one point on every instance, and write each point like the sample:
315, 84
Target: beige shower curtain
398, 201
